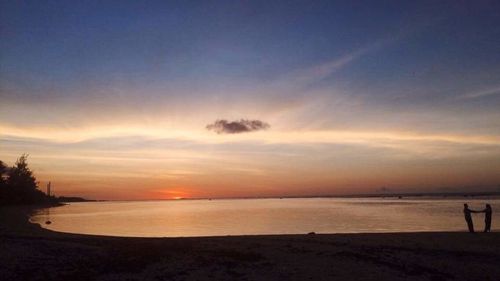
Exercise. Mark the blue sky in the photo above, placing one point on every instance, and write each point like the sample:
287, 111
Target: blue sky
412, 79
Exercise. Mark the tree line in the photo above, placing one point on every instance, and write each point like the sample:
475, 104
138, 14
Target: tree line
18, 185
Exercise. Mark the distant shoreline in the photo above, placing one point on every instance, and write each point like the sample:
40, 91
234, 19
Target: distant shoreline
69, 199
360, 196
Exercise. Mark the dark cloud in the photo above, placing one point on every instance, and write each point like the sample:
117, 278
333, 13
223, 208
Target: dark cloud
235, 127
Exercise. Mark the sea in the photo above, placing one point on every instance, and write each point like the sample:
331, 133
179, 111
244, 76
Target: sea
221, 217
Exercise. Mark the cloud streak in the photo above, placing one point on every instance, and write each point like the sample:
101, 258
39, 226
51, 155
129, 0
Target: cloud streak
315, 73
480, 94
235, 127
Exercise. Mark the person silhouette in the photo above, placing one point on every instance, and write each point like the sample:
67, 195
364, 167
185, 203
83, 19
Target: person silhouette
487, 218
468, 218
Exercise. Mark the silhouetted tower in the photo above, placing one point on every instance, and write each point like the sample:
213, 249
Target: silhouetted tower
48, 189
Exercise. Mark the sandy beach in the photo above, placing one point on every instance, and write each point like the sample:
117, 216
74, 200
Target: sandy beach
29, 252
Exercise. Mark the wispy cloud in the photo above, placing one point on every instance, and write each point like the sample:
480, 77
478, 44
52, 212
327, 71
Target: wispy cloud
480, 94
323, 70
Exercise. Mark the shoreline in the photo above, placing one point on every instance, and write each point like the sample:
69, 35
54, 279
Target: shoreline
456, 195
34, 253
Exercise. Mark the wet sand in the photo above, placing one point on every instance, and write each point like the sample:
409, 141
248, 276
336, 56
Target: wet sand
29, 252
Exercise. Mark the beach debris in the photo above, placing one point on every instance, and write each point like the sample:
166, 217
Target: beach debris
311, 233
48, 222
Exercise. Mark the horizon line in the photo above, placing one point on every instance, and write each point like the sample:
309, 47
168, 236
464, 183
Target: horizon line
364, 195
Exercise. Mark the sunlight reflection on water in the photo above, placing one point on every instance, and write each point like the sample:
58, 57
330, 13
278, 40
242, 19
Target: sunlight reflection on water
263, 216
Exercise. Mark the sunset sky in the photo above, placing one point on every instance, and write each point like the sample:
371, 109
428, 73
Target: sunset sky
112, 99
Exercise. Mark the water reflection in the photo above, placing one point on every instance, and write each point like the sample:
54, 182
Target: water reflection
263, 216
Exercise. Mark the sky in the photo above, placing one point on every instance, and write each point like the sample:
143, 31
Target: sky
195, 99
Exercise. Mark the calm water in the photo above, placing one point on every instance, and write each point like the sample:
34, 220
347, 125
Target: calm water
264, 216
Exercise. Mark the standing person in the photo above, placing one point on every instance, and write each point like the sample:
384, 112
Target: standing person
468, 218
487, 218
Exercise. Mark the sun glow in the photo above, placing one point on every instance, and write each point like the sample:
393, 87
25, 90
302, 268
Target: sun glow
171, 194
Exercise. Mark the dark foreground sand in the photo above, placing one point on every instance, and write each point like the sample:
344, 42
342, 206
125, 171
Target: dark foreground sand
28, 252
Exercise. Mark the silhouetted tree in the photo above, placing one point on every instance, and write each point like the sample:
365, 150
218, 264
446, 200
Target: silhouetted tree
20, 186
3, 183
3, 170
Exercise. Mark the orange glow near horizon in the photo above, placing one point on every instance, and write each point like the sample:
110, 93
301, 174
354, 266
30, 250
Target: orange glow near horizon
307, 164
173, 194
270, 163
